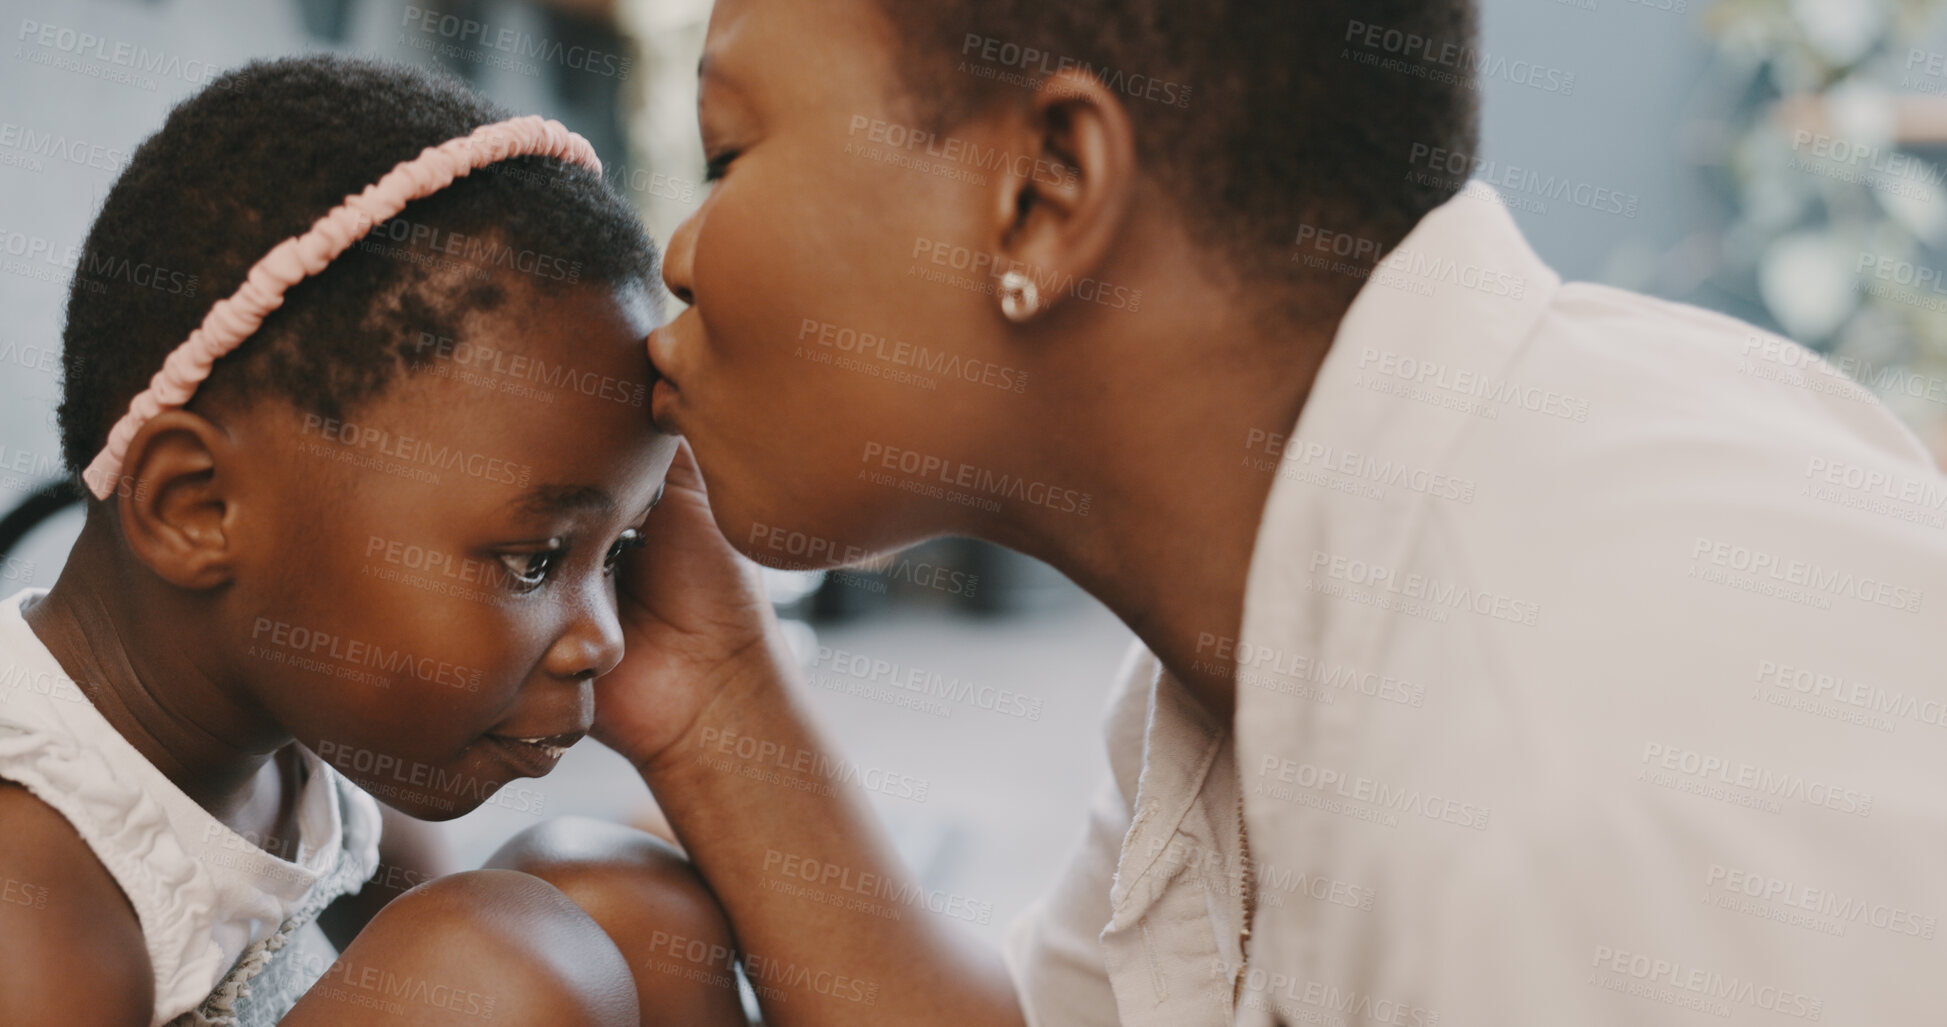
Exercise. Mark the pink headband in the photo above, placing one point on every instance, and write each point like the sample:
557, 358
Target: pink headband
232, 320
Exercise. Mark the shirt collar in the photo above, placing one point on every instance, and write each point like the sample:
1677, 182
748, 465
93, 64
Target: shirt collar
1460, 294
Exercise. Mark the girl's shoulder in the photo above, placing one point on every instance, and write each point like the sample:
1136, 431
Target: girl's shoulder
75, 948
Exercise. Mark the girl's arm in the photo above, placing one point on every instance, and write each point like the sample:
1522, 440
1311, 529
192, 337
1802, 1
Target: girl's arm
71, 948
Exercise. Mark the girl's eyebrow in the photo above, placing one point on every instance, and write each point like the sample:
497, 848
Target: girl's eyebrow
545, 500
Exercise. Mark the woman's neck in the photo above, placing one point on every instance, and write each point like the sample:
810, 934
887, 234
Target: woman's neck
1179, 479
145, 665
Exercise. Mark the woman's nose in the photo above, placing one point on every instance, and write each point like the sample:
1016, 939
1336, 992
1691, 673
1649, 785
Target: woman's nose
679, 262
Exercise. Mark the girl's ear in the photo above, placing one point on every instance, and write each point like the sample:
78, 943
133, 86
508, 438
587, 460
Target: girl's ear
1061, 212
174, 508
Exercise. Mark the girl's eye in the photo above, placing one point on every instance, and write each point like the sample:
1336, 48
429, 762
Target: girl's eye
718, 165
530, 570
631, 539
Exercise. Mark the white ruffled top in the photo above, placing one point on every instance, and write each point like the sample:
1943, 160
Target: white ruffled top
216, 909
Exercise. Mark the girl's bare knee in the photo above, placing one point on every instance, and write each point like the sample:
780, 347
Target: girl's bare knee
618, 872
487, 945
654, 905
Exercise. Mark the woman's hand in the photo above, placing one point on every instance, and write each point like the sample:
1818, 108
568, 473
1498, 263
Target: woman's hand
695, 620
706, 662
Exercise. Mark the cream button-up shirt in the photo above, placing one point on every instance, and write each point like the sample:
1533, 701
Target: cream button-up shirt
1592, 672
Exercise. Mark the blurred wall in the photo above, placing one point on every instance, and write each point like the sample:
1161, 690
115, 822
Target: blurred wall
1635, 66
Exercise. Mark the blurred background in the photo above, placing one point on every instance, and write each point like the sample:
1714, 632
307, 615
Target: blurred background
1779, 160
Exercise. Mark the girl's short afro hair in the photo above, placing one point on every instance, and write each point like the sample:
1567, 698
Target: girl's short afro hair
256, 157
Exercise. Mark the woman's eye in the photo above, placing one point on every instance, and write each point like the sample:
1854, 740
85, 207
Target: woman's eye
530, 570
631, 539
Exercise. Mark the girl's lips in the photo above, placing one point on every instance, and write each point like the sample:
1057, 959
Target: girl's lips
533, 757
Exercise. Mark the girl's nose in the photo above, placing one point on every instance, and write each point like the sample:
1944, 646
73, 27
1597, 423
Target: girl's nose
592, 644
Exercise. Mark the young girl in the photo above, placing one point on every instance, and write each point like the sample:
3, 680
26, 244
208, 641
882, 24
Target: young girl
355, 537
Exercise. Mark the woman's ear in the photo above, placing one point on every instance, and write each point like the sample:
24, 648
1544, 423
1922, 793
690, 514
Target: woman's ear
174, 508
1062, 211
